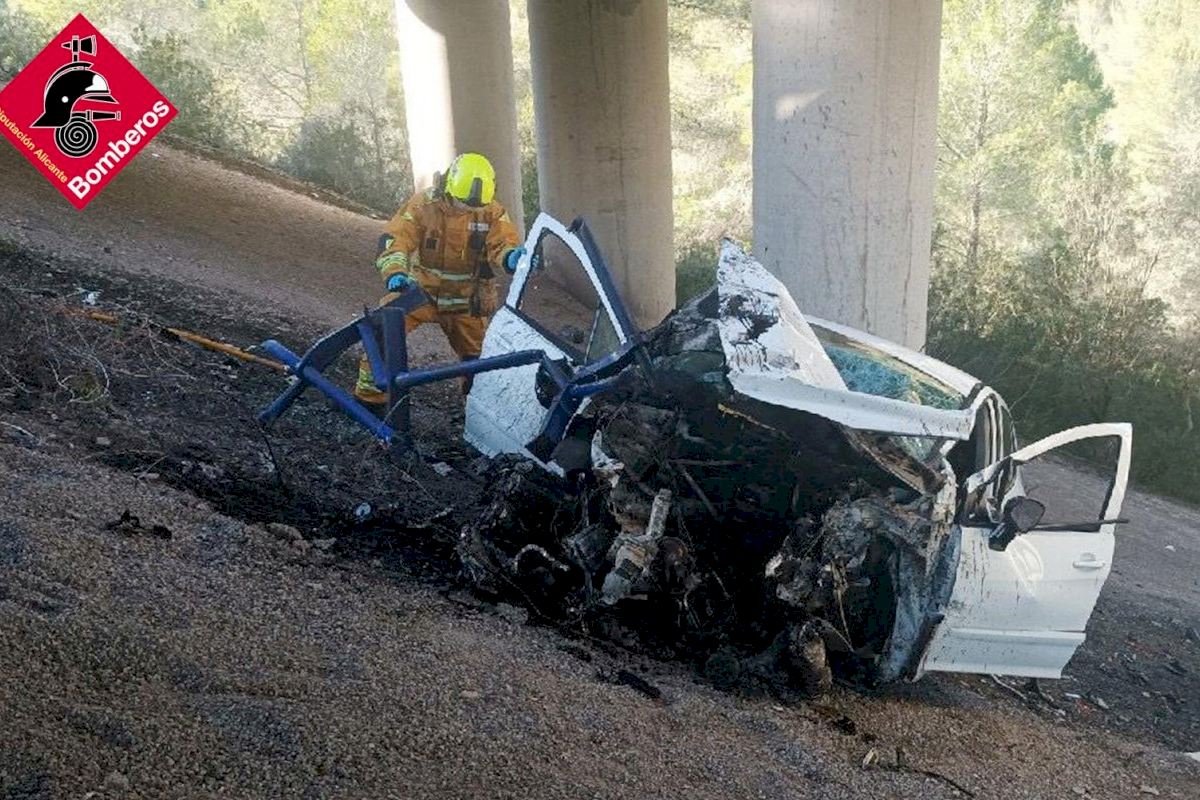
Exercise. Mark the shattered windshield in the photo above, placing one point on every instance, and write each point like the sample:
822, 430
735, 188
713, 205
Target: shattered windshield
870, 371
867, 370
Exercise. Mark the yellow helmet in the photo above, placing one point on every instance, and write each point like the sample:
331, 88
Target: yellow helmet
471, 180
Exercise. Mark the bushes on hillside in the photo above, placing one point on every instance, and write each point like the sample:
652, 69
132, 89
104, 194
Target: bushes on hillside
21, 38
1067, 345
209, 111
335, 151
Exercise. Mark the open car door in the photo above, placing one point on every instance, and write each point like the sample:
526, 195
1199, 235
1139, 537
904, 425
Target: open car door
562, 301
1022, 610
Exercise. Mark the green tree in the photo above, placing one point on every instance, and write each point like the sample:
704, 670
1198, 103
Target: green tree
208, 110
711, 85
1150, 51
1041, 263
1021, 99
21, 37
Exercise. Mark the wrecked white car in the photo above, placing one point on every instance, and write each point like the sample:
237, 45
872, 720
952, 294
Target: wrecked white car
770, 493
776, 497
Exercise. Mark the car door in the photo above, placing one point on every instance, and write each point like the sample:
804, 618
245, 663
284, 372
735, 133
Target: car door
1023, 610
567, 308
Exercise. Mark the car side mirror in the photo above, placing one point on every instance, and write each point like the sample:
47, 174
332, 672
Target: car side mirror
1021, 515
1024, 513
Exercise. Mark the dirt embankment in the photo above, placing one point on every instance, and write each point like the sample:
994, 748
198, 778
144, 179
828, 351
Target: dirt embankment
211, 655
180, 215
230, 660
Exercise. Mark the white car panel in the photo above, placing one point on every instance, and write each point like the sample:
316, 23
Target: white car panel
865, 412
1030, 654
1023, 610
788, 348
503, 413
786, 364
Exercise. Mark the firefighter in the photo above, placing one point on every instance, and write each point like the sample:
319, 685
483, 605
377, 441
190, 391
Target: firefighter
450, 240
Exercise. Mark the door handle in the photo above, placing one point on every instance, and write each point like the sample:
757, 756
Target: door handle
1089, 564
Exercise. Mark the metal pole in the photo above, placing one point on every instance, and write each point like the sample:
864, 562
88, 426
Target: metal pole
470, 367
341, 398
395, 356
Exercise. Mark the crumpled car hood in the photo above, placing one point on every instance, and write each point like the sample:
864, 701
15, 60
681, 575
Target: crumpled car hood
773, 355
763, 332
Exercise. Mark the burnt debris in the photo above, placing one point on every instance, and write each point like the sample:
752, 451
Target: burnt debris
769, 546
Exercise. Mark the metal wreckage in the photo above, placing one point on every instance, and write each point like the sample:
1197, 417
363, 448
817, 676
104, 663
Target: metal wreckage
776, 497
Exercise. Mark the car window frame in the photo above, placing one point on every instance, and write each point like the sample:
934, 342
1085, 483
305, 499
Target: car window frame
582, 257
1004, 475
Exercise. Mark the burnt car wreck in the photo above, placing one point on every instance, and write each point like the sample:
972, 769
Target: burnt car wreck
775, 497
770, 497
693, 519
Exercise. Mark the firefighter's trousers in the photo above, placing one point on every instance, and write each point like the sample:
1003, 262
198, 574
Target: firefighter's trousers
463, 329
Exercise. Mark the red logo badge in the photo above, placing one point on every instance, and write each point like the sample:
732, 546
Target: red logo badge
80, 111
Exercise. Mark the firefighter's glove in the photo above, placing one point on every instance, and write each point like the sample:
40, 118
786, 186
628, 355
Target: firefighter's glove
385, 241
512, 258
400, 282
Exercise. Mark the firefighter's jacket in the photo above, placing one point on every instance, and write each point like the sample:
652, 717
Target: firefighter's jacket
454, 253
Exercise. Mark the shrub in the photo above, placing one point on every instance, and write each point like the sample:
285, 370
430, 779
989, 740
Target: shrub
1067, 347
338, 152
695, 271
209, 112
21, 38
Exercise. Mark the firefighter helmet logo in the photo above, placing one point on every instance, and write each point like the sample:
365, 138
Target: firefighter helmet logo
75, 131
81, 117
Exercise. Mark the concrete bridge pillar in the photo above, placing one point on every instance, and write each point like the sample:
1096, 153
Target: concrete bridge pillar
601, 95
457, 69
845, 109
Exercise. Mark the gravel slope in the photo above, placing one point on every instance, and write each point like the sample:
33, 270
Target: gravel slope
180, 215
224, 662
